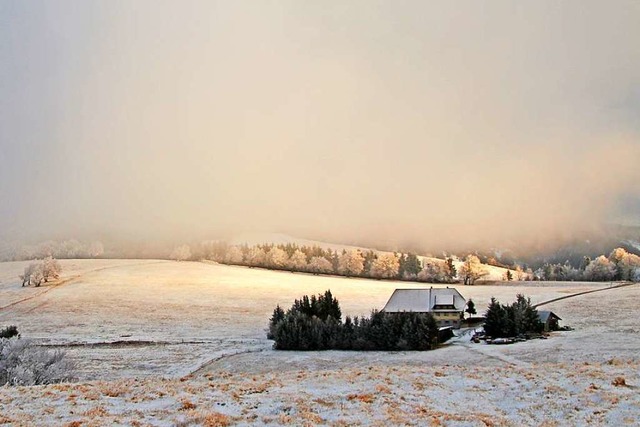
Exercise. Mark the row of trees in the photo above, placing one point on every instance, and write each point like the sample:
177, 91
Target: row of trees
619, 265
518, 318
315, 259
66, 249
316, 324
41, 271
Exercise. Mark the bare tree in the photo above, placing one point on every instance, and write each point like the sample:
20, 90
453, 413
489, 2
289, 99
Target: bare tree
297, 261
351, 263
600, 268
434, 271
472, 270
37, 275
276, 257
96, 249
319, 264
181, 253
71, 249
29, 271
627, 266
385, 266
50, 269
255, 257
233, 255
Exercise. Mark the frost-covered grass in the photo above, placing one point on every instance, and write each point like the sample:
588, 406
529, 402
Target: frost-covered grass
220, 312
452, 395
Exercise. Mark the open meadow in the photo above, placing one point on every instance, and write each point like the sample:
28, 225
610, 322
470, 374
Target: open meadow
166, 343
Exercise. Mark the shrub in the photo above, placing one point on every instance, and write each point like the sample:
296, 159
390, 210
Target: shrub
22, 363
9, 332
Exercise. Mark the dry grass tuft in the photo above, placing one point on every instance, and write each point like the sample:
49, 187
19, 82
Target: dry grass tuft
187, 405
115, 389
619, 382
364, 398
98, 411
383, 389
216, 419
312, 417
487, 421
285, 419
324, 402
206, 419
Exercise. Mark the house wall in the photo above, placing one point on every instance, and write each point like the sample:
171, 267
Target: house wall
449, 318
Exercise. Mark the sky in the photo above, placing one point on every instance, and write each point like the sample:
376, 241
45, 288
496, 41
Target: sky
405, 122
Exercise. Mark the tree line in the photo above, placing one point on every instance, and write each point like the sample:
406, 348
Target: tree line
65, 249
619, 265
318, 260
315, 323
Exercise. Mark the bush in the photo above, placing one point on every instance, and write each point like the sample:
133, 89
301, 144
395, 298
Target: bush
315, 324
9, 332
22, 363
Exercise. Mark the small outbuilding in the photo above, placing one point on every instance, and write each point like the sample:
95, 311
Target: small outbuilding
445, 304
550, 320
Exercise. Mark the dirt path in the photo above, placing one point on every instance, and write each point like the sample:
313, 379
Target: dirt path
47, 289
622, 285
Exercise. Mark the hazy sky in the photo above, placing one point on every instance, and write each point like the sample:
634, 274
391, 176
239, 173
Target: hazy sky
403, 121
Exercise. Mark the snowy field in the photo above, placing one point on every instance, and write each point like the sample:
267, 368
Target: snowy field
167, 343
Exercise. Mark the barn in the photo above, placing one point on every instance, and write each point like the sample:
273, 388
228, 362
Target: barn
550, 320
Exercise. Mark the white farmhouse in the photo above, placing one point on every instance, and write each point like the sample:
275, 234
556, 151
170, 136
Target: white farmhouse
445, 304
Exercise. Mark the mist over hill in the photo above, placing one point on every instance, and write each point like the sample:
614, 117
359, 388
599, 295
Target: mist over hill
599, 242
421, 126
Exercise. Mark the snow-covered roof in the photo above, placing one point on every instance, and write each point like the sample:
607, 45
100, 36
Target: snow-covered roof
446, 299
544, 315
423, 300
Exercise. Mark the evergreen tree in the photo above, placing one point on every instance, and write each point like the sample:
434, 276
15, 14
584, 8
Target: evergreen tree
413, 266
402, 265
335, 260
495, 319
512, 320
471, 308
450, 272
277, 316
369, 258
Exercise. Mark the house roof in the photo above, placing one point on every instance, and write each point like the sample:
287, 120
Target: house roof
544, 315
423, 300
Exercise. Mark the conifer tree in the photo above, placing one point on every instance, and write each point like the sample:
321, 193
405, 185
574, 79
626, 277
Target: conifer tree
471, 308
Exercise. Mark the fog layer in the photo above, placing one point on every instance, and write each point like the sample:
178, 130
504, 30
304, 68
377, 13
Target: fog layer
452, 123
